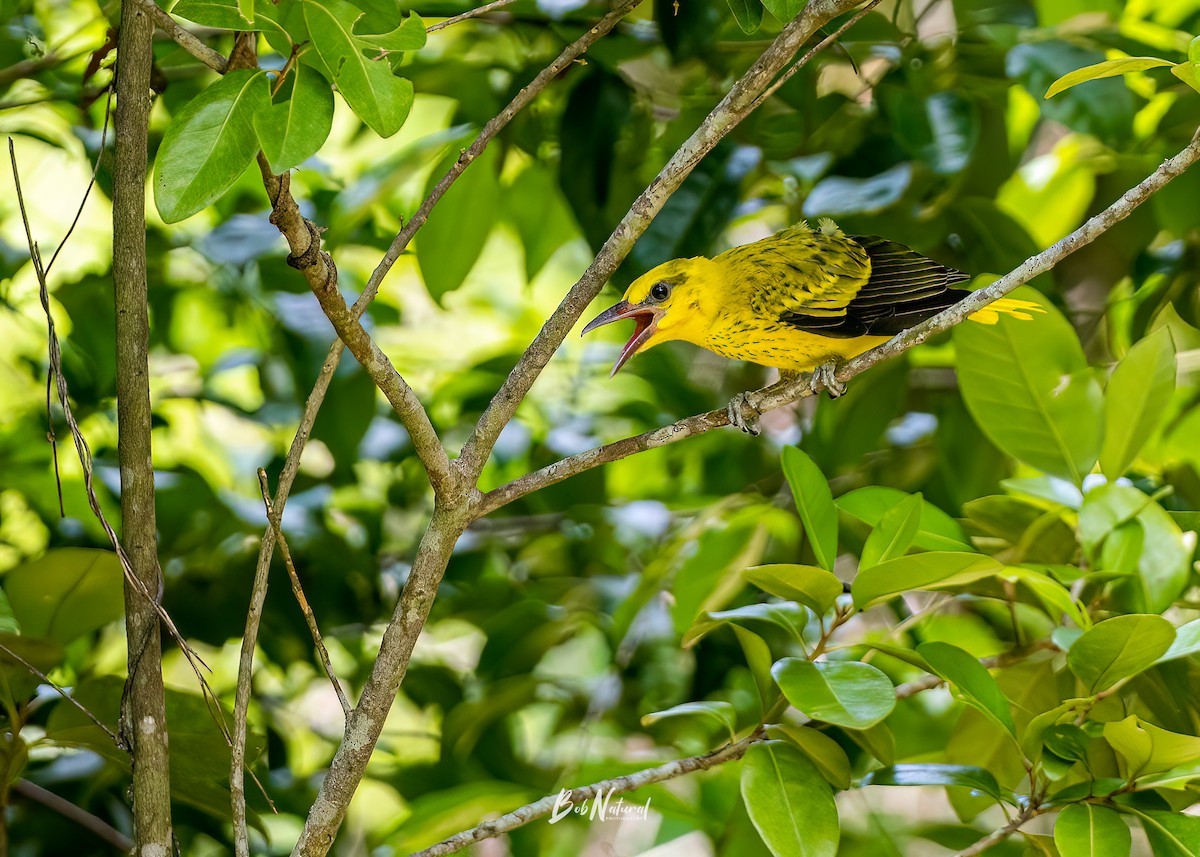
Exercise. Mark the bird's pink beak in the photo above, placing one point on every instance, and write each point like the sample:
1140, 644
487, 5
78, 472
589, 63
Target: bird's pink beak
647, 322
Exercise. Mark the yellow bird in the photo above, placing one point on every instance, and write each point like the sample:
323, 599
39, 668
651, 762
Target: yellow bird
802, 300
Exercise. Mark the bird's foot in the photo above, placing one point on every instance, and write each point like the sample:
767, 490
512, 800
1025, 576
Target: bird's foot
743, 414
824, 377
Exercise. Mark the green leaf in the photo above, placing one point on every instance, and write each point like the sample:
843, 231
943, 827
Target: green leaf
66, 593
723, 713
813, 587
1189, 73
1030, 390
845, 693
1118, 648
1135, 400
8, 619
209, 145
971, 679
878, 741
936, 531
1054, 595
1108, 68
225, 14
789, 801
920, 571
453, 238
17, 681
1171, 834
292, 130
408, 36
747, 13
814, 502
1088, 830
967, 776
534, 202
821, 750
1163, 555
1187, 642
199, 753
1148, 750
380, 99
789, 616
784, 10
758, 659
894, 533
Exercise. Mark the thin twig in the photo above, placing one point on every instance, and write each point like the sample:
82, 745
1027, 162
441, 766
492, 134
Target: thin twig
298, 591
91, 183
813, 51
997, 836
781, 394
473, 13
61, 692
77, 814
618, 785
187, 41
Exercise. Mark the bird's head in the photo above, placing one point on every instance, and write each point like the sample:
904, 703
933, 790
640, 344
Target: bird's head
670, 302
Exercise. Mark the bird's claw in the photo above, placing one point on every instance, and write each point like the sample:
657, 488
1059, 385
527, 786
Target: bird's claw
824, 377
743, 414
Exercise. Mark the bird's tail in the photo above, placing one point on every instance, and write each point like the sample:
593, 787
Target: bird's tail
1013, 307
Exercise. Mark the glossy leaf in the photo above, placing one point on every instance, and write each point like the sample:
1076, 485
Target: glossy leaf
821, 750
758, 659
813, 587
971, 679
1186, 642
292, 130
718, 711
845, 693
209, 145
409, 35
380, 99
1030, 390
814, 502
747, 13
224, 14
1108, 68
784, 10
790, 617
976, 779
920, 571
1171, 834
66, 593
1135, 400
789, 801
936, 531
1118, 648
894, 533
1089, 830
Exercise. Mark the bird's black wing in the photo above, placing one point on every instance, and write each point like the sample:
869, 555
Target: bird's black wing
903, 289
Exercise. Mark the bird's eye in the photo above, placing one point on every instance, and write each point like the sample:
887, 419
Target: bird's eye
660, 292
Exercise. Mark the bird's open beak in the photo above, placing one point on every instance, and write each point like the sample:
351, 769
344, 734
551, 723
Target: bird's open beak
647, 322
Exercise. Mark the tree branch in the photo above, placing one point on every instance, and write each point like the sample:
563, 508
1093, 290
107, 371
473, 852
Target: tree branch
617, 785
999, 835
77, 814
473, 13
317, 266
184, 39
734, 107
780, 394
143, 707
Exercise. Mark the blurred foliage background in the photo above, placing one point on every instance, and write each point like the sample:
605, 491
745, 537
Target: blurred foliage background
560, 620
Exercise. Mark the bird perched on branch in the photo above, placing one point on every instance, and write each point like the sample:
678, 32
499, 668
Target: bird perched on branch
802, 300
